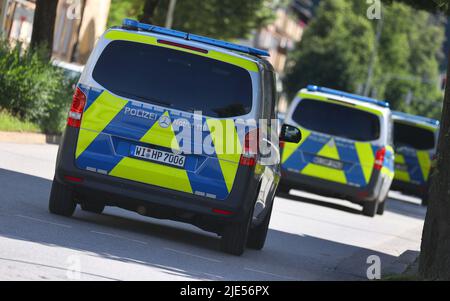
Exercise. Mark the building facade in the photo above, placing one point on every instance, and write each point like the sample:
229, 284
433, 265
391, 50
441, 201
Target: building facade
78, 25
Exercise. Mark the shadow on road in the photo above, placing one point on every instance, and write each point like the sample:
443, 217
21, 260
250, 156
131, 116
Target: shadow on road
286, 256
321, 203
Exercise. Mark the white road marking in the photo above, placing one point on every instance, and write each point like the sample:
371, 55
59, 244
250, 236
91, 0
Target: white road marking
42, 221
271, 274
193, 255
119, 237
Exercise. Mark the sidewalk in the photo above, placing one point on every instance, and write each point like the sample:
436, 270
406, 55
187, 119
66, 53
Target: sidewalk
29, 138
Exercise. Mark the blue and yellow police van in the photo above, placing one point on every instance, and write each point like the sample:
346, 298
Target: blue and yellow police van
158, 125
415, 142
346, 150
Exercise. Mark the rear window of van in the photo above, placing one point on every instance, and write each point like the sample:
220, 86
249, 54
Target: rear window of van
337, 120
176, 79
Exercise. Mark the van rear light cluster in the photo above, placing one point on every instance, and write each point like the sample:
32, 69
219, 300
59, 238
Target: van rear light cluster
73, 179
76, 109
379, 158
250, 150
222, 212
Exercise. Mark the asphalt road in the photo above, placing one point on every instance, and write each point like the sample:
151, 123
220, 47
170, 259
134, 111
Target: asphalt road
310, 237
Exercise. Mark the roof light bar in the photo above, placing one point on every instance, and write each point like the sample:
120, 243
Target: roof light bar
380, 103
135, 25
416, 118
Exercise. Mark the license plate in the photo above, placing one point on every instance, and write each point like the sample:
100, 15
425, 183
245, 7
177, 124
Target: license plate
158, 156
328, 163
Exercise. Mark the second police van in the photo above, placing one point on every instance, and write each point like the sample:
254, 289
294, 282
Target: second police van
156, 127
346, 150
415, 142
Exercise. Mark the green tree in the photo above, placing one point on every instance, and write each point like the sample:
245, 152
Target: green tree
406, 65
223, 19
334, 50
434, 260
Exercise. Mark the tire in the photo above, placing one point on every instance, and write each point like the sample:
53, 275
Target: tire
424, 201
380, 209
234, 236
93, 207
61, 200
370, 208
257, 235
283, 189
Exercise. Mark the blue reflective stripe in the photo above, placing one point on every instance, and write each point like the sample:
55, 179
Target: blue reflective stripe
352, 166
99, 155
414, 170
296, 160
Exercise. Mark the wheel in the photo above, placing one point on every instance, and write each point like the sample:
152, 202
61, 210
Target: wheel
257, 235
93, 207
234, 236
424, 201
61, 200
370, 208
283, 189
424, 198
380, 209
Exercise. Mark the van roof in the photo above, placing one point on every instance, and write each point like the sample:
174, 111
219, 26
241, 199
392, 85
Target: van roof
348, 96
415, 118
130, 24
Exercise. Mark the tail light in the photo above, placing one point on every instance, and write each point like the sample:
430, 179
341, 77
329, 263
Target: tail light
282, 143
379, 158
73, 179
76, 109
222, 212
250, 151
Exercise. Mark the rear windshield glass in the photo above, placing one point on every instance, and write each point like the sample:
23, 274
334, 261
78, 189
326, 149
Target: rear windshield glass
174, 78
337, 120
412, 136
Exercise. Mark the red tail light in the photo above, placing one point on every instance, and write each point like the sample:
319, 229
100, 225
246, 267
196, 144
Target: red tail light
282, 143
250, 151
222, 212
379, 158
76, 109
73, 179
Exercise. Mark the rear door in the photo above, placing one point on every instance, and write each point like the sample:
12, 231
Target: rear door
338, 143
414, 145
164, 115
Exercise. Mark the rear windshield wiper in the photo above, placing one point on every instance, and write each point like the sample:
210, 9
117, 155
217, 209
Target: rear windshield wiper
145, 99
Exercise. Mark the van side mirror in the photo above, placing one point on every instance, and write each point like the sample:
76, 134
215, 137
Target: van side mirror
290, 134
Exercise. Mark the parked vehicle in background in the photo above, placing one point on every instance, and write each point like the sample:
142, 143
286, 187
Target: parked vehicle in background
131, 139
71, 71
346, 150
415, 142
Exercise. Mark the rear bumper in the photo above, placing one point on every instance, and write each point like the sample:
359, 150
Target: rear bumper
152, 200
378, 186
410, 188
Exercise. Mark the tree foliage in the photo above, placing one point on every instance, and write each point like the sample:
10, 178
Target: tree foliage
223, 19
337, 47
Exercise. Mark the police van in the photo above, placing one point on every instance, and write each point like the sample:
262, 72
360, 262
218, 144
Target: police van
346, 150
150, 119
415, 142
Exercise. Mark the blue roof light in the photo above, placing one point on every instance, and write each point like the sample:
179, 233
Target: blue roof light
374, 101
416, 118
135, 25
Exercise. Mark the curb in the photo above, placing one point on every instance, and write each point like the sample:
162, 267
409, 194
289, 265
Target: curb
29, 138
